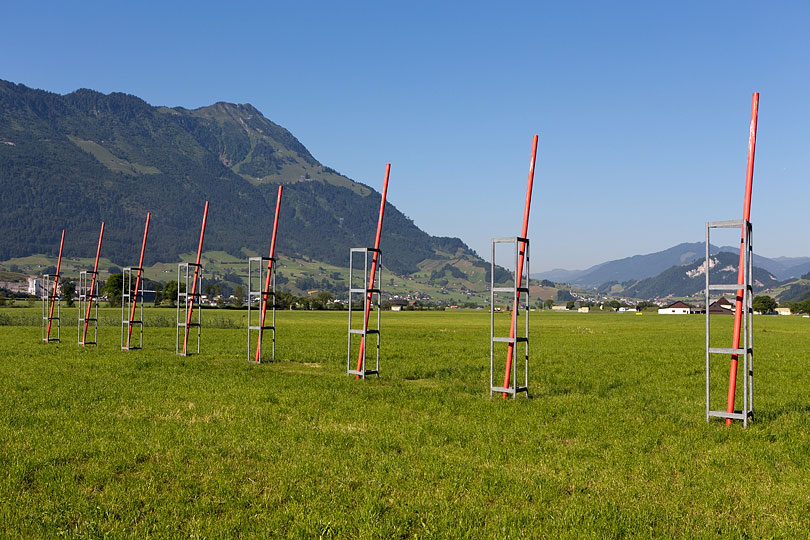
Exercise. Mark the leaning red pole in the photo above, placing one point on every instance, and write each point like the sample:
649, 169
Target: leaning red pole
55, 283
373, 268
196, 277
738, 313
138, 279
521, 257
93, 284
267, 279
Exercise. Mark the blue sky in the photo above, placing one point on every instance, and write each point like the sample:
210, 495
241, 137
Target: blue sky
642, 107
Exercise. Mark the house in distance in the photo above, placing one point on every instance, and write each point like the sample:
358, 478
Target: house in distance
676, 308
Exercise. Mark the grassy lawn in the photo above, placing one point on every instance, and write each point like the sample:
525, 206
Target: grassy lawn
613, 442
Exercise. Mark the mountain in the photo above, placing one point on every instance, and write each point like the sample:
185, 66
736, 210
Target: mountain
791, 267
74, 160
781, 267
560, 275
635, 267
650, 265
690, 279
796, 290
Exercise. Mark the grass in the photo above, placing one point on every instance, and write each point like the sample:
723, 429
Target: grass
613, 442
116, 164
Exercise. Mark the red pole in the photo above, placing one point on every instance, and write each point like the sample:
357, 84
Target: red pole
196, 276
267, 279
521, 256
55, 284
373, 267
93, 284
138, 279
749, 181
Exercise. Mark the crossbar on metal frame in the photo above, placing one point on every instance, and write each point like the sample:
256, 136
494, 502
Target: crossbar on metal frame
47, 298
184, 272
128, 295
747, 349
254, 294
86, 295
376, 293
517, 294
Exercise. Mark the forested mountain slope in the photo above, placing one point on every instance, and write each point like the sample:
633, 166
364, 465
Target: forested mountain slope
72, 161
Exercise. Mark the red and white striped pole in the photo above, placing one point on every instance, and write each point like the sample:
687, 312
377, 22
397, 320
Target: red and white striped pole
196, 277
55, 284
93, 284
373, 268
267, 278
738, 313
521, 257
138, 279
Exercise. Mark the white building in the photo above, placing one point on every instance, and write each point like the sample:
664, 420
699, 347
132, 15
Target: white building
34, 286
676, 308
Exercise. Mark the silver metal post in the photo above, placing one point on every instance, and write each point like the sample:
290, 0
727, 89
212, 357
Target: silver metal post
517, 292
258, 293
371, 293
47, 298
747, 350
186, 298
708, 334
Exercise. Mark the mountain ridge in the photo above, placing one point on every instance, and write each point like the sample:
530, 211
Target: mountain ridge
74, 160
649, 265
690, 279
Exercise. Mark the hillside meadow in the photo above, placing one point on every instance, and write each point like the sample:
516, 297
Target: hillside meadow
613, 443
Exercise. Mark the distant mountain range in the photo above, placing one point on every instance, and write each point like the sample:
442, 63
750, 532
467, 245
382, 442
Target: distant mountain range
690, 279
74, 160
639, 267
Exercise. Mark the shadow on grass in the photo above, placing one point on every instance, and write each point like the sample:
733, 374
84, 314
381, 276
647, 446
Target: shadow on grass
772, 415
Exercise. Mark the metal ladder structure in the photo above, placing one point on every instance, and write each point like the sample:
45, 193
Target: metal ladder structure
189, 292
88, 303
371, 295
518, 294
747, 349
257, 273
51, 297
128, 296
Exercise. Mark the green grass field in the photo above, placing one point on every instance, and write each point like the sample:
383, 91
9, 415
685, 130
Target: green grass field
613, 442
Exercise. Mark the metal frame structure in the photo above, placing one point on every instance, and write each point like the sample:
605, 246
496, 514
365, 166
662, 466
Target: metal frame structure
368, 290
90, 294
510, 349
747, 349
266, 293
361, 353
130, 298
263, 296
521, 247
88, 299
749, 183
192, 294
49, 301
195, 293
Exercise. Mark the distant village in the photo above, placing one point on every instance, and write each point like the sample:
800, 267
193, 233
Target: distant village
33, 287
